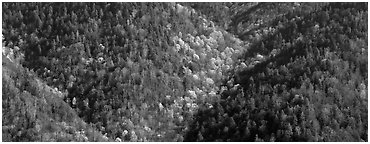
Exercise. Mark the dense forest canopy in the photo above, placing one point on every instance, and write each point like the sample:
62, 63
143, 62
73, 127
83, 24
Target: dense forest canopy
185, 72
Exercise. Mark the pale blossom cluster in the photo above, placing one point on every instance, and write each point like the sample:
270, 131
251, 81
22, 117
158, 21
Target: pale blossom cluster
212, 56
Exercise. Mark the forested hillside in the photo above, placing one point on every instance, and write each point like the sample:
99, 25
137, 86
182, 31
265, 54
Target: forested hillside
32, 111
185, 72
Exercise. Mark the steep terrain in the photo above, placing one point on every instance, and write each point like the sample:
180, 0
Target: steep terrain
185, 71
32, 111
303, 78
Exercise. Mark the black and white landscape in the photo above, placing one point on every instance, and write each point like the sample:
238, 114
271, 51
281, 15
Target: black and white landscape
179, 72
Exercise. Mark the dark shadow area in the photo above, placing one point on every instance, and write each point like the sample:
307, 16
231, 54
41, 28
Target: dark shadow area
245, 15
250, 17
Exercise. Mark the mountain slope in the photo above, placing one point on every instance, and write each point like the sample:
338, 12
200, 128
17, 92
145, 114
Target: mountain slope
139, 71
33, 112
304, 78
188, 71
